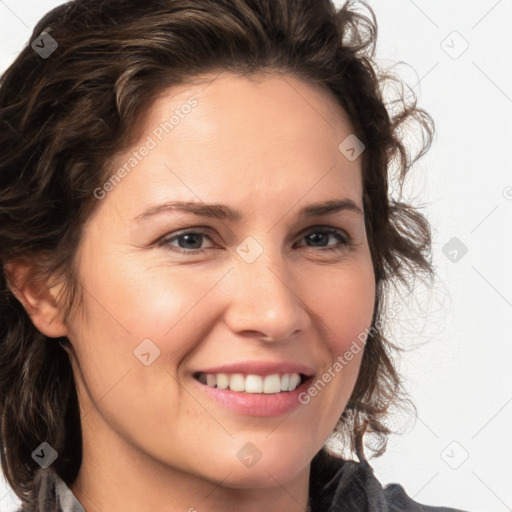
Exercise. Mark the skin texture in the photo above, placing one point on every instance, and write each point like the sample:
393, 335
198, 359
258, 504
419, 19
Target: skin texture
152, 439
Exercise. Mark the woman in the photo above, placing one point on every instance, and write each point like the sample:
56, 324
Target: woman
140, 373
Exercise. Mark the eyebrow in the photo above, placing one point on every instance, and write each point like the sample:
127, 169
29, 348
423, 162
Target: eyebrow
221, 211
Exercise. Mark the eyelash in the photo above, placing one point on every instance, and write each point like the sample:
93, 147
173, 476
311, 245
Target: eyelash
346, 241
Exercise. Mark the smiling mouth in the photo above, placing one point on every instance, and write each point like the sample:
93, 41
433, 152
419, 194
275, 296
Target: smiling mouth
252, 383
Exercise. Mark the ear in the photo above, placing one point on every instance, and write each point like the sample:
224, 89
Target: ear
38, 298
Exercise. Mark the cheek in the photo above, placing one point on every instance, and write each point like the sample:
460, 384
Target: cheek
127, 303
346, 306
137, 299
347, 311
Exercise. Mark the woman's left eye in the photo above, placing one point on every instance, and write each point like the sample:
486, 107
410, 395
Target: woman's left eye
191, 240
344, 240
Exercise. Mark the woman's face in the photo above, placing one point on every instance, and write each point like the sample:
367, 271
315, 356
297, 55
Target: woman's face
176, 296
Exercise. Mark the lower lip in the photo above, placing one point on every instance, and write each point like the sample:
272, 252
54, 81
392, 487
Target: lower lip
257, 404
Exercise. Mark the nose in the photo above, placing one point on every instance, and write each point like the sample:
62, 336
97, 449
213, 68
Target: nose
265, 299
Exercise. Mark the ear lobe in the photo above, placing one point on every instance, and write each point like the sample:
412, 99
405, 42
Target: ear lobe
37, 297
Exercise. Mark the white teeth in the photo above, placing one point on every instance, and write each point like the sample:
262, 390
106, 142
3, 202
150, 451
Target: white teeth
285, 381
237, 382
272, 384
269, 384
294, 381
222, 381
253, 384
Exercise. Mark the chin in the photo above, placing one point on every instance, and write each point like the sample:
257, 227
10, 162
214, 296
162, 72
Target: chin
266, 472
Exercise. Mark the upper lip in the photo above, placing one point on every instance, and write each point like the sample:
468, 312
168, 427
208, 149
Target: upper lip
260, 368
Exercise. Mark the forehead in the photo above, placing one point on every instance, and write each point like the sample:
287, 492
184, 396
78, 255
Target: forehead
275, 135
281, 103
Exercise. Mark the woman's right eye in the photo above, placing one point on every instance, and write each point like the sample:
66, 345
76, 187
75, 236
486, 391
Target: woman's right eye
186, 238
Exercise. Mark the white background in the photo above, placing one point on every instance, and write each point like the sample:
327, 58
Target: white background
458, 452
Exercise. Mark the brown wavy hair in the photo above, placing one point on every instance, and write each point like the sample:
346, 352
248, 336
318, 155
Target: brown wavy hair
63, 117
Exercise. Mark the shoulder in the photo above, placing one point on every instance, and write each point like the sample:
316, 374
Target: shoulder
341, 485
398, 501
